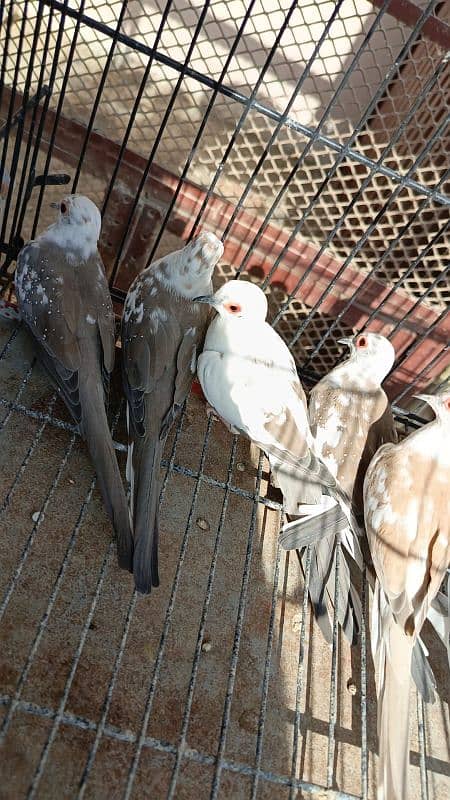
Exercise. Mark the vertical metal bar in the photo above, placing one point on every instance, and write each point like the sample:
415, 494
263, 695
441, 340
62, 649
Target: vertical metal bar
19, 393
156, 670
369, 230
158, 138
23, 557
198, 647
426, 368
334, 668
129, 616
5, 50
34, 50
248, 106
300, 160
422, 747
364, 747
13, 166
300, 673
237, 639
36, 439
199, 133
9, 342
441, 277
67, 69
136, 105
98, 96
266, 677
376, 268
62, 703
45, 617
342, 154
107, 703
282, 121
38, 136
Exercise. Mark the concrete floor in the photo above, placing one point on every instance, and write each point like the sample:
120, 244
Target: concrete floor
88, 681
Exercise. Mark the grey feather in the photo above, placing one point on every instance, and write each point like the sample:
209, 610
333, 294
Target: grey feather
67, 309
162, 333
303, 531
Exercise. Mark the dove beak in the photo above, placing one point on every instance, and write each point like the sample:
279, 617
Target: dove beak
208, 299
347, 341
55, 205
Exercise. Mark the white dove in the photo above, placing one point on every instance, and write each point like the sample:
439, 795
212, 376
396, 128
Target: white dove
249, 378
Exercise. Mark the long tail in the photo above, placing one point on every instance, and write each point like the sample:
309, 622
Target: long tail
143, 469
393, 653
322, 591
98, 438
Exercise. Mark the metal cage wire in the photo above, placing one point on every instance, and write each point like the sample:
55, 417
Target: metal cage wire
312, 139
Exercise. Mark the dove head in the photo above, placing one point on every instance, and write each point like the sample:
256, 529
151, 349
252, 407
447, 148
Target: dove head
440, 403
188, 272
372, 352
75, 209
239, 300
77, 229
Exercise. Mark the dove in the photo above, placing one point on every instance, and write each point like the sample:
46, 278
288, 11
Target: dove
162, 333
350, 417
64, 301
249, 378
407, 517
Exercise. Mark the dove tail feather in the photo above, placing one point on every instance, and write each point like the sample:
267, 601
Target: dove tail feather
439, 617
393, 656
322, 591
95, 428
146, 456
422, 674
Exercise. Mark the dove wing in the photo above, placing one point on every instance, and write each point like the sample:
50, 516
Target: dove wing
61, 306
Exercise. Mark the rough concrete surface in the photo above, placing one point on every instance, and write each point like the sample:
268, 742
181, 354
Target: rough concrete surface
81, 670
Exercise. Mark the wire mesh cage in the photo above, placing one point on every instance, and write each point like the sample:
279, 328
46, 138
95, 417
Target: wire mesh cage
313, 138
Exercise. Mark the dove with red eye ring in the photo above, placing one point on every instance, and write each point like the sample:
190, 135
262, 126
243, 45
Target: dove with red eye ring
249, 378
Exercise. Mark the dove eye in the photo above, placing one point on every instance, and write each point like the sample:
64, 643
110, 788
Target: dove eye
233, 308
361, 342
63, 208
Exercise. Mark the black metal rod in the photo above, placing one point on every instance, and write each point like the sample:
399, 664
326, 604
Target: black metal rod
167, 622
219, 760
415, 380
45, 91
10, 114
248, 107
98, 97
304, 76
355, 249
200, 130
238, 97
135, 108
376, 268
300, 671
310, 143
202, 626
299, 225
62, 93
159, 136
